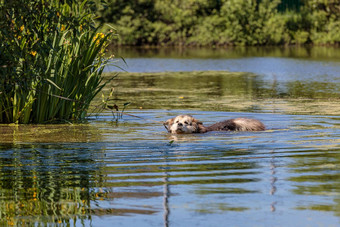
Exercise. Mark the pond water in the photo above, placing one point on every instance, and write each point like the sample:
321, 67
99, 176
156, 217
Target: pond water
107, 172
285, 64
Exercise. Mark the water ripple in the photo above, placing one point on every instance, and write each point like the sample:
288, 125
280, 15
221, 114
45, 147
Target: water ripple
292, 167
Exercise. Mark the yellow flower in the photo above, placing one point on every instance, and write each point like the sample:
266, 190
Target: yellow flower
58, 14
98, 37
22, 28
81, 27
62, 28
19, 37
10, 222
33, 53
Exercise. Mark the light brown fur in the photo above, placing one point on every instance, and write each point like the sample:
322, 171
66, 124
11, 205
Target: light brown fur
185, 124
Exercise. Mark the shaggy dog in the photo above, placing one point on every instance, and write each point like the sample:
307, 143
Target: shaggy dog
184, 124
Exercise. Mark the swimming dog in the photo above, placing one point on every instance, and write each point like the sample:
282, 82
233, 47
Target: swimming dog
185, 124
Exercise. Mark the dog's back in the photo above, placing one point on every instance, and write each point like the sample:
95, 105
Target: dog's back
238, 124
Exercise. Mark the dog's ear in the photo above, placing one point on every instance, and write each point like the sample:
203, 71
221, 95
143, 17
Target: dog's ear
199, 126
168, 123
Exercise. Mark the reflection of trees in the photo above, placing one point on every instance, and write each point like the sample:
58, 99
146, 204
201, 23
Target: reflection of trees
313, 90
166, 192
45, 183
318, 175
273, 180
314, 52
68, 183
49, 133
223, 91
162, 90
226, 180
74, 182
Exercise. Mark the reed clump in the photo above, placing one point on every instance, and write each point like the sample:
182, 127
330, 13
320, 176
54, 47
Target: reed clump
52, 60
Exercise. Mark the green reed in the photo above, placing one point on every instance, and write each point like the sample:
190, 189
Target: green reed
52, 60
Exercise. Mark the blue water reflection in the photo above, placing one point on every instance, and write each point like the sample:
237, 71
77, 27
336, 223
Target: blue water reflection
282, 69
132, 172
287, 174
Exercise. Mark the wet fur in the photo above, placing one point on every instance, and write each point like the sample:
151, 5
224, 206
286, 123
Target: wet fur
185, 124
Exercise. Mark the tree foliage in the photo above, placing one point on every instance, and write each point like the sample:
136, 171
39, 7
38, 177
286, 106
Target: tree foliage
224, 22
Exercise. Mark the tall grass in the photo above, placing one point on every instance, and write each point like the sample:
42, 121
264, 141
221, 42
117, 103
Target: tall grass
52, 60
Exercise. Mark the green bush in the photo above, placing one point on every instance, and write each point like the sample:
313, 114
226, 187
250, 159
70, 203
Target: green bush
51, 62
224, 22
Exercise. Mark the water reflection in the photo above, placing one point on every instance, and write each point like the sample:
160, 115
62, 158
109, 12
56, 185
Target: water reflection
286, 64
283, 70
319, 177
59, 183
130, 176
46, 183
224, 91
49, 133
318, 53
132, 171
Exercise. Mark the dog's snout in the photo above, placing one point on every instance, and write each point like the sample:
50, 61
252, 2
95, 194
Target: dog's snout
180, 124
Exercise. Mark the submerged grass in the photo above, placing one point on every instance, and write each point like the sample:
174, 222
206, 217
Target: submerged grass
52, 60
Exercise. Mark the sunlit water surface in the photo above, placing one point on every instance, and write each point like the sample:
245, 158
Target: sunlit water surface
131, 172
120, 173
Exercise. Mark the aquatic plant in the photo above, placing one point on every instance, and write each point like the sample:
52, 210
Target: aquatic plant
52, 60
113, 107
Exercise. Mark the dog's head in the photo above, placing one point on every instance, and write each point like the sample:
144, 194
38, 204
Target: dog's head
184, 124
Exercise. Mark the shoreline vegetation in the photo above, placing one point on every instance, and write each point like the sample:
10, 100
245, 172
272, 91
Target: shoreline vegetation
53, 53
223, 22
52, 60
